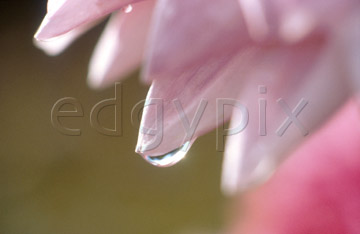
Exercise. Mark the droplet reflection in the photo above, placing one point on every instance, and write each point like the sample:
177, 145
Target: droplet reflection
127, 9
170, 158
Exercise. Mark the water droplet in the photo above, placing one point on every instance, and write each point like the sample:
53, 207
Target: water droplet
170, 158
127, 9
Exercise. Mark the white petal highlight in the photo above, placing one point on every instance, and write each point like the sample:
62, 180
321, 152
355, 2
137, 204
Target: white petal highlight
255, 18
57, 45
67, 15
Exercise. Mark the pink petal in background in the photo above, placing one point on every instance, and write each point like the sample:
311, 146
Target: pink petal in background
307, 71
315, 191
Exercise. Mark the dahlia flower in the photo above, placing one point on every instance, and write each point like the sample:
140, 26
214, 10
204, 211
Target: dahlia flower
291, 63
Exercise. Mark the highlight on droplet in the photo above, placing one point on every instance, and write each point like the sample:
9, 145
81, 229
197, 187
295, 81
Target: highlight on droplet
170, 158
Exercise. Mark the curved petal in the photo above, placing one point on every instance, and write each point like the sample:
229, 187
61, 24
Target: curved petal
120, 48
188, 33
66, 15
193, 59
58, 44
221, 78
311, 85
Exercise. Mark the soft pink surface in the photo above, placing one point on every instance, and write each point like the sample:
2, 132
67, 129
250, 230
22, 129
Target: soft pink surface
316, 190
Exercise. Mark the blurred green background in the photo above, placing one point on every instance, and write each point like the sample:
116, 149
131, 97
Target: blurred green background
93, 184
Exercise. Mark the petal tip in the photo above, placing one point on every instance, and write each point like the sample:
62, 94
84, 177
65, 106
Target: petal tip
47, 49
41, 34
94, 82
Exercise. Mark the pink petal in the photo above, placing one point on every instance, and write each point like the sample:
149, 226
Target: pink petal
349, 37
181, 40
191, 58
66, 15
120, 48
58, 44
327, 12
316, 190
190, 88
310, 71
293, 20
